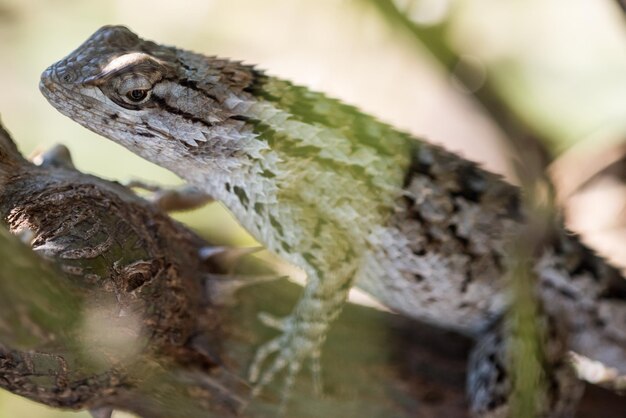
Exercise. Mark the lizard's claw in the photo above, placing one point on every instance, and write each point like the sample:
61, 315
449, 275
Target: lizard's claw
272, 321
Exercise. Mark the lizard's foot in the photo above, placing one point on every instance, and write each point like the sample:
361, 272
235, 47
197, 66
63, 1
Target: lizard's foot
104, 412
172, 199
57, 156
300, 340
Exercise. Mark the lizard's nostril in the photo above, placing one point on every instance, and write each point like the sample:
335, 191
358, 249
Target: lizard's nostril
62, 74
67, 77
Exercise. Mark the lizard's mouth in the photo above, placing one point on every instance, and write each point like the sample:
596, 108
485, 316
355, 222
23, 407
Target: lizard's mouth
49, 87
62, 86
51, 82
54, 90
63, 89
45, 82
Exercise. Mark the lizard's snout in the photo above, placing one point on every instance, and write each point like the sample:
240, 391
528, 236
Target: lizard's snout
45, 82
57, 75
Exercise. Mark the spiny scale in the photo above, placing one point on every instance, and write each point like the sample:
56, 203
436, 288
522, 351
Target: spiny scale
334, 191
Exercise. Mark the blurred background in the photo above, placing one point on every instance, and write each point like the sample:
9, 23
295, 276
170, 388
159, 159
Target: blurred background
490, 79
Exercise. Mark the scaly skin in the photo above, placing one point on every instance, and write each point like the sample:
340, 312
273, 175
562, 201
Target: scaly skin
333, 191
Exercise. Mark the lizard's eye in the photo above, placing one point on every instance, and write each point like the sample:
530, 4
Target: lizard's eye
137, 95
134, 89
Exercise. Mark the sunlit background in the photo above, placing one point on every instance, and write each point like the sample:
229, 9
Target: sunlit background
559, 65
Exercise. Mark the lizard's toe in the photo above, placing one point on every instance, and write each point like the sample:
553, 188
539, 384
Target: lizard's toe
288, 359
289, 351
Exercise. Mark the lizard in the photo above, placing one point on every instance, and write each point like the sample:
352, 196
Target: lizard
346, 198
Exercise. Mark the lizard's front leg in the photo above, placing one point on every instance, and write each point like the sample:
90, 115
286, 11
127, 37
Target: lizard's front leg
305, 329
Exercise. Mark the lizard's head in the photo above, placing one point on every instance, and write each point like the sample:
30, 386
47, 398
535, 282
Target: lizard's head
163, 103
